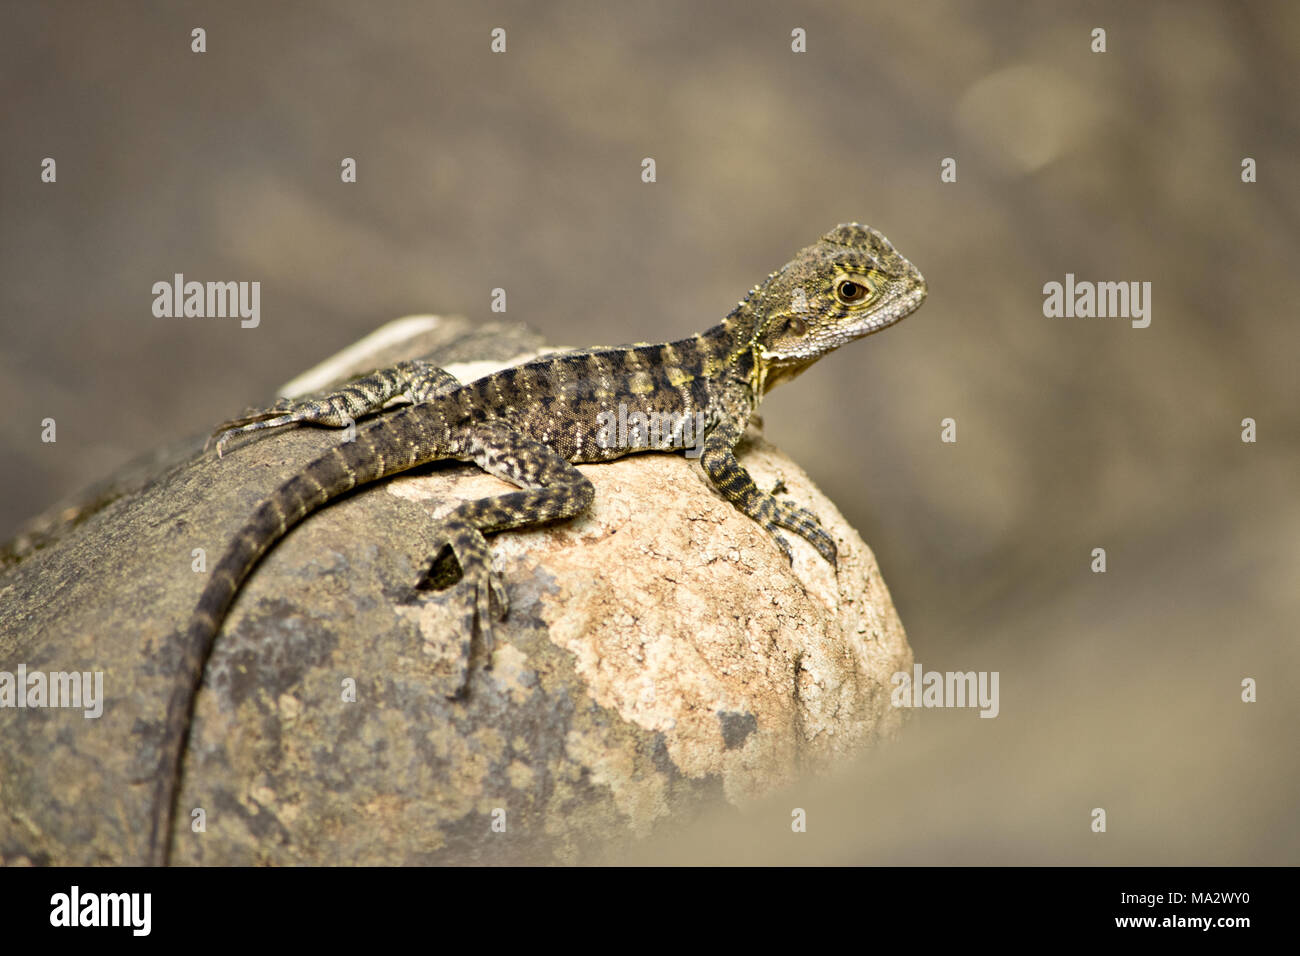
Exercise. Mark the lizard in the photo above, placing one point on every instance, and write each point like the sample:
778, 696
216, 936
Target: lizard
531, 424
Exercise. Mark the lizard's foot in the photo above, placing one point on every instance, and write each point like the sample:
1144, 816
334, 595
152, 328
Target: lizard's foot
284, 412
251, 416
480, 595
737, 486
806, 525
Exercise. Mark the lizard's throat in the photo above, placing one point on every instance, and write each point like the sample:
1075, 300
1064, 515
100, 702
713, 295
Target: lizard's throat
768, 374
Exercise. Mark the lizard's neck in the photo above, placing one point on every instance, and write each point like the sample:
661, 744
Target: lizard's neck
726, 356
738, 336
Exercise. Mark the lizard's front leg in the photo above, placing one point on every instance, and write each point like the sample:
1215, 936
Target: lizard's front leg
737, 486
553, 490
418, 379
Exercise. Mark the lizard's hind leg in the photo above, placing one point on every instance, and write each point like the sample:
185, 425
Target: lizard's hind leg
418, 380
552, 490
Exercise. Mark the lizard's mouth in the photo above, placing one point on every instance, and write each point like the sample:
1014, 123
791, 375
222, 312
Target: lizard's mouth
901, 306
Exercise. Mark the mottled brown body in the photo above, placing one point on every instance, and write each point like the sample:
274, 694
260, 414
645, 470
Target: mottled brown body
529, 424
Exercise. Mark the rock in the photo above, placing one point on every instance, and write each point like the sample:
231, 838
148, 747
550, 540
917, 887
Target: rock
659, 655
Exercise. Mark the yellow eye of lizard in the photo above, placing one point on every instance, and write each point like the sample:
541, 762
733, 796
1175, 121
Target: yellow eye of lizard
851, 292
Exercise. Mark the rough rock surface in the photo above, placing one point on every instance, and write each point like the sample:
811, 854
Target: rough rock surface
659, 654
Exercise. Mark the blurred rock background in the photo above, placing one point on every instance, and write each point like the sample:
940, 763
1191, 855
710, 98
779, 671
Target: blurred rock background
522, 171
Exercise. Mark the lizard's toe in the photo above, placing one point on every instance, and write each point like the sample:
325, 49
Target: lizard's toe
502, 601
484, 617
822, 542
464, 641
797, 514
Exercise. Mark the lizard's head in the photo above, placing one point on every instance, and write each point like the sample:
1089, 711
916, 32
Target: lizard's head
849, 284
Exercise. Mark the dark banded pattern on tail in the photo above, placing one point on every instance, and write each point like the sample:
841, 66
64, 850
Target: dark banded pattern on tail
390, 445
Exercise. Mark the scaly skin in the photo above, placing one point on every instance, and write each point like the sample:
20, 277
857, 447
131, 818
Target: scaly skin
529, 424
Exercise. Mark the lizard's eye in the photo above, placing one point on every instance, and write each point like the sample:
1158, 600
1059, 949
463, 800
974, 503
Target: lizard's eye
851, 293
795, 325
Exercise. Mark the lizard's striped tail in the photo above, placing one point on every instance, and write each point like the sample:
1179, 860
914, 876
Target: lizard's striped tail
333, 474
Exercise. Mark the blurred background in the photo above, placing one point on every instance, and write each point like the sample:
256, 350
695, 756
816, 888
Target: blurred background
522, 170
